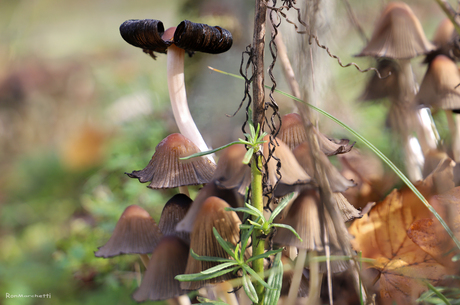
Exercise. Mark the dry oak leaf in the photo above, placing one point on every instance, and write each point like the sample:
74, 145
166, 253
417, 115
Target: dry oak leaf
396, 233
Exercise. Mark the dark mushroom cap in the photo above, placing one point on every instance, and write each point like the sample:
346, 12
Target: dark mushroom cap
166, 170
168, 260
147, 34
135, 232
378, 88
398, 34
173, 212
439, 86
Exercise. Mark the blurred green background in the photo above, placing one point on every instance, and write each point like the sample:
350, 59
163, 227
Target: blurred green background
79, 107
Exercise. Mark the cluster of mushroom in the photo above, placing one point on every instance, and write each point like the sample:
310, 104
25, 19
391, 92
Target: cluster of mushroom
398, 37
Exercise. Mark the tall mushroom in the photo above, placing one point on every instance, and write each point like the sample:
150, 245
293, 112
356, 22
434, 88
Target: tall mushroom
150, 35
399, 36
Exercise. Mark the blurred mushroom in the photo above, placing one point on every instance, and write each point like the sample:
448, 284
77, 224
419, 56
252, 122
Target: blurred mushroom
168, 260
173, 212
212, 215
135, 232
399, 36
439, 90
443, 40
166, 170
150, 35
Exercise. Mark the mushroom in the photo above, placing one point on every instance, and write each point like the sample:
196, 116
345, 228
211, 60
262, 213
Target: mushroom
173, 212
135, 232
166, 170
169, 259
443, 40
203, 242
399, 36
439, 90
150, 35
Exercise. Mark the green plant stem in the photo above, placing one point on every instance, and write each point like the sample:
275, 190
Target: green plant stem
258, 244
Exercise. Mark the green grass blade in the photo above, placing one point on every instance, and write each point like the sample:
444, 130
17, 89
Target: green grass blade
209, 258
280, 225
438, 293
374, 149
208, 152
218, 268
266, 254
201, 277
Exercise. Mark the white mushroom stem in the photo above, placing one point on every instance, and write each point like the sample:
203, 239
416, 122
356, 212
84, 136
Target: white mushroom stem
454, 126
178, 97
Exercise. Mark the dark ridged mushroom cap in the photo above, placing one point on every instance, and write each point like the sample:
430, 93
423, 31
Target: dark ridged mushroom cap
398, 34
168, 260
173, 212
438, 88
230, 172
135, 232
378, 88
203, 242
147, 34
166, 170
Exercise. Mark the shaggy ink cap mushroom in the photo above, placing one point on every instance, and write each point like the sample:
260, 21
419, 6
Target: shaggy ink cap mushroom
166, 170
188, 36
135, 232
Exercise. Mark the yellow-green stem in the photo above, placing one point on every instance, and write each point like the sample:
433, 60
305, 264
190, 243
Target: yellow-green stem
258, 243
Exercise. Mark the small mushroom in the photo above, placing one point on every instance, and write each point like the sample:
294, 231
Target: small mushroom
173, 212
135, 232
166, 170
150, 35
439, 90
203, 242
443, 40
168, 260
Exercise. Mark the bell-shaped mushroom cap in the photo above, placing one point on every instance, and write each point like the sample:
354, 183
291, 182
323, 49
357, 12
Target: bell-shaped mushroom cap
231, 196
306, 218
173, 212
398, 34
166, 170
291, 172
203, 242
230, 171
135, 232
292, 133
444, 34
168, 260
438, 89
378, 88
347, 211
337, 181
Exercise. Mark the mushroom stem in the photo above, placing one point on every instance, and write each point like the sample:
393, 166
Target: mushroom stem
184, 190
454, 127
296, 277
145, 259
178, 97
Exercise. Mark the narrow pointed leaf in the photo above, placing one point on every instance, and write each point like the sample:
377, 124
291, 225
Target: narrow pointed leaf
218, 267
201, 277
256, 276
243, 210
249, 288
209, 258
280, 207
227, 246
248, 156
205, 301
275, 280
245, 238
280, 225
265, 255
208, 152
258, 213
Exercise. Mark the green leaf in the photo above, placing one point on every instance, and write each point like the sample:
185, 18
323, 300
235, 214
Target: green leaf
253, 132
280, 225
275, 280
206, 301
264, 255
249, 288
201, 277
209, 258
208, 152
248, 156
245, 238
227, 246
218, 267
259, 213
256, 276
244, 210
284, 202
